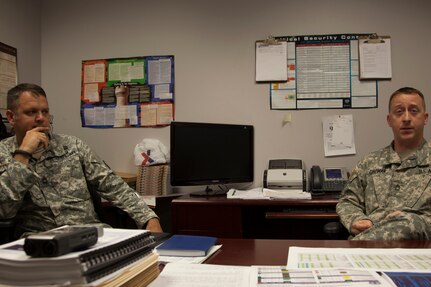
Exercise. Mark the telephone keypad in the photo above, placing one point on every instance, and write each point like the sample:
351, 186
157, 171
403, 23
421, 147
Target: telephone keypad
333, 185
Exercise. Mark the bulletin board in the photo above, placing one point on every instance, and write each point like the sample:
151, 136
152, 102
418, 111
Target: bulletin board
127, 92
8, 72
323, 73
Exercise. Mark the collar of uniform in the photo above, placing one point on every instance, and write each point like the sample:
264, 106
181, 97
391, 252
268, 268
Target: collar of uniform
421, 157
390, 156
423, 154
13, 143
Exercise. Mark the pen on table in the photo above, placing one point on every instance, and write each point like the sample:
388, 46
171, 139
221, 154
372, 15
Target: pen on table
233, 193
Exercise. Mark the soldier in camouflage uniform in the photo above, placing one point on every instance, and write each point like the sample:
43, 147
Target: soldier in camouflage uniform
388, 196
45, 177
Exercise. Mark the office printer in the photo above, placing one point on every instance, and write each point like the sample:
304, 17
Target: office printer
285, 174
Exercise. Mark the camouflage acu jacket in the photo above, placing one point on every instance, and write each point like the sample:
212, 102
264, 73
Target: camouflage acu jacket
53, 190
383, 183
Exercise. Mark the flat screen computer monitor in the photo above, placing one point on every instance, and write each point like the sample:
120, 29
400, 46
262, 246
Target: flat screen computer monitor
211, 154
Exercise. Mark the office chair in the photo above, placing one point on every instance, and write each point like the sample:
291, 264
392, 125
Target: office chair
7, 227
111, 214
336, 231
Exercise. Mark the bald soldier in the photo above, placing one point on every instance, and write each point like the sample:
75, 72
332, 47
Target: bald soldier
45, 177
388, 196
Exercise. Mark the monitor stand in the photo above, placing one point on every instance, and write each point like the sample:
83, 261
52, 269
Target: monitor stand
209, 192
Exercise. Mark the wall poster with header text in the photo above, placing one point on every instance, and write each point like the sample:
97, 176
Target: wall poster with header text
323, 73
8, 72
127, 92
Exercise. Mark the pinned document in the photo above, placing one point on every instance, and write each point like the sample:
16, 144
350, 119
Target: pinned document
271, 60
375, 57
338, 135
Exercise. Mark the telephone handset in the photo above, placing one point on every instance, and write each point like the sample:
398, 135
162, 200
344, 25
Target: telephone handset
331, 179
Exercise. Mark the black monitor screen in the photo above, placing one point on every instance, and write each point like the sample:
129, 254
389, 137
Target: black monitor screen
205, 154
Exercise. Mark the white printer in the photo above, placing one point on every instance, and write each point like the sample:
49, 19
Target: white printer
285, 174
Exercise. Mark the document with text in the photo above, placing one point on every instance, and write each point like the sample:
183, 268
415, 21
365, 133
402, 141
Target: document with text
280, 276
207, 275
388, 259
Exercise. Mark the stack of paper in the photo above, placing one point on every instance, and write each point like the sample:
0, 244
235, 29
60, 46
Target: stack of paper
141, 273
255, 193
117, 250
286, 193
266, 193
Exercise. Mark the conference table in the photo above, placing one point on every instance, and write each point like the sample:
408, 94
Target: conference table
248, 252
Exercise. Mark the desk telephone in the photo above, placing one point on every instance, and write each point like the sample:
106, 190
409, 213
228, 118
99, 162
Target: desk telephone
332, 179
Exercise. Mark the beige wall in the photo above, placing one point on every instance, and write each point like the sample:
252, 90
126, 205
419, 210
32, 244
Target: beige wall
20, 27
213, 44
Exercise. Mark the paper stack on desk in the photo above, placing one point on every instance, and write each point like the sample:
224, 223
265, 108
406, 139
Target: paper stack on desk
286, 193
255, 193
266, 193
112, 258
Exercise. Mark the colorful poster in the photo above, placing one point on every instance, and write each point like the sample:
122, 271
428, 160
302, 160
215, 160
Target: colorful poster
127, 92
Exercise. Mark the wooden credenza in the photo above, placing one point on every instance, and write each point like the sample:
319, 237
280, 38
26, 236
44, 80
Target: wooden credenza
239, 218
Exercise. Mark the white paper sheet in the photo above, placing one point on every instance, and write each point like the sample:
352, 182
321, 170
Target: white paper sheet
280, 276
271, 61
202, 275
375, 59
255, 193
338, 135
388, 259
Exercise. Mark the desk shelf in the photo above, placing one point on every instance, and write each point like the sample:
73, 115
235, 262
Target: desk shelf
239, 218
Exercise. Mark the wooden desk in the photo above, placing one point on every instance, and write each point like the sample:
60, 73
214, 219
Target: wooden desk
237, 218
248, 252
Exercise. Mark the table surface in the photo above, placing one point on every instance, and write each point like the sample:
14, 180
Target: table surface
248, 252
